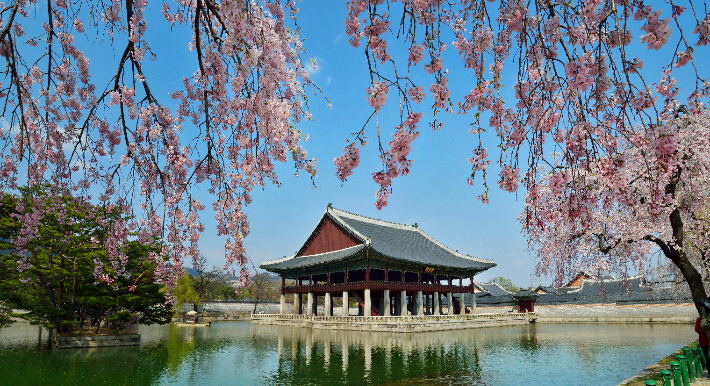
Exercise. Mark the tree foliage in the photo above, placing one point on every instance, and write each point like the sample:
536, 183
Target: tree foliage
506, 284
65, 277
263, 287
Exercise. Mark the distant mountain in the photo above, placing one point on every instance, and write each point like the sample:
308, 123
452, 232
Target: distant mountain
191, 272
268, 275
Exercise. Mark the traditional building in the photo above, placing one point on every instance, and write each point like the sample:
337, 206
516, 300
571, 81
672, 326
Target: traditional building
387, 268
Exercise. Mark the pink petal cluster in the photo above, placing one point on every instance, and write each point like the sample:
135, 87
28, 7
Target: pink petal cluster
377, 94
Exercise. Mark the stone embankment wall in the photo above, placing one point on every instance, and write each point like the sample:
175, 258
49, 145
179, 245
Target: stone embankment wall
609, 313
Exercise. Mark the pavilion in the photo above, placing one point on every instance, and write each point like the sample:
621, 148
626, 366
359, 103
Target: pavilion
389, 269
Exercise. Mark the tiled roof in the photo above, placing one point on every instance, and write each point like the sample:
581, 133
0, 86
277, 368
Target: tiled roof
607, 291
396, 241
494, 289
309, 261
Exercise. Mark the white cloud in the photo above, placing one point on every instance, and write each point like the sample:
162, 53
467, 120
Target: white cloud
314, 66
327, 80
337, 39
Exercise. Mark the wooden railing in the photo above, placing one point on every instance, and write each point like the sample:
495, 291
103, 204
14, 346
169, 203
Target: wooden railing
376, 285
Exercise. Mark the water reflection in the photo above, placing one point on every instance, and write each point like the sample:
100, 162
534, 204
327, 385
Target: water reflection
237, 353
308, 356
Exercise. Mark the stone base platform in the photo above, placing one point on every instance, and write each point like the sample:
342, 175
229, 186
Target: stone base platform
62, 342
398, 323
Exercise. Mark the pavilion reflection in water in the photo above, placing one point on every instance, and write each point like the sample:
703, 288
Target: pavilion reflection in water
313, 354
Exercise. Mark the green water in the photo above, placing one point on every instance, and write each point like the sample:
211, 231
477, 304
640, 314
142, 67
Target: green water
236, 353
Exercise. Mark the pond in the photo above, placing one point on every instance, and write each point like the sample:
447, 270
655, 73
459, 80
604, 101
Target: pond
238, 353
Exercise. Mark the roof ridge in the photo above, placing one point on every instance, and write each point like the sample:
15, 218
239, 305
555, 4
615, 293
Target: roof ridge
373, 219
281, 260
330, 210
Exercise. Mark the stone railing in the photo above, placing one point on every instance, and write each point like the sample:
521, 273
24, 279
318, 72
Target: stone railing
423, 318
401, 319
278, 316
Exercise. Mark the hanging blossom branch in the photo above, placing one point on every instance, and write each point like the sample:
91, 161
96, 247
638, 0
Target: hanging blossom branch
126, 148
579, 89
616, 210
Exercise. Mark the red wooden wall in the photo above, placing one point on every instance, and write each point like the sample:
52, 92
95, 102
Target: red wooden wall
328, 237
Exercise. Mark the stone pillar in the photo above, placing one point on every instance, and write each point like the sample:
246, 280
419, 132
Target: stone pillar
462, 304
346, 304
309, 305
428, 305
328, 304
368, 303
437, 304
420, 305
386, 303
296, 304
282, 307
473, 302
450, 302
403, 303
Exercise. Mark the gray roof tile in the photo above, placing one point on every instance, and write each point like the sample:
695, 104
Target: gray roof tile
396, 241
